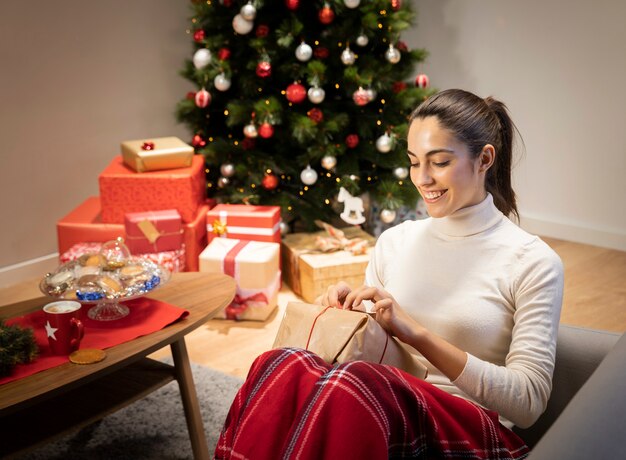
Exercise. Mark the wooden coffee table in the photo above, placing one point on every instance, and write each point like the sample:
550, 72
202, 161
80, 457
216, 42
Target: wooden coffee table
80, 395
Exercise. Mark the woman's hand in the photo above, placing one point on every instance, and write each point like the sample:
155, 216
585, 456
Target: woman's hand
388, 313
335, 295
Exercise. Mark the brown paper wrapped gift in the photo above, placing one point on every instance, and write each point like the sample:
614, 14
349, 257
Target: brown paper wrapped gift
155, 154
339, 336
309, 272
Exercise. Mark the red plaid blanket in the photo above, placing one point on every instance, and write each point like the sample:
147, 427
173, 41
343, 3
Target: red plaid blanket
294, 405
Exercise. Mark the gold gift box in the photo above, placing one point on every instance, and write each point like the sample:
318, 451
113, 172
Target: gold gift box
309, 273
158, 153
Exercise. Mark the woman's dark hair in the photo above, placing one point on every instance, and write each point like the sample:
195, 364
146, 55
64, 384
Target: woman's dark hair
477, 122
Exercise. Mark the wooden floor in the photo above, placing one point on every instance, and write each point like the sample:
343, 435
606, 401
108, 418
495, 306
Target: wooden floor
595, 296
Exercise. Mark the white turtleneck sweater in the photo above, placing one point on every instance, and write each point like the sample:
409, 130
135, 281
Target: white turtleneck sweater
491, 289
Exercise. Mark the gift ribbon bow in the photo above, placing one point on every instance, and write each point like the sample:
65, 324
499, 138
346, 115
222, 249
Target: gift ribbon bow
240, 304
219, 227
337, 241
147, 146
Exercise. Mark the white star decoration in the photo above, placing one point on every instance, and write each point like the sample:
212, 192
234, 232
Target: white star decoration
51, 330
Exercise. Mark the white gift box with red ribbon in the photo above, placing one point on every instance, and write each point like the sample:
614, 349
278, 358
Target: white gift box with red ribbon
255, 267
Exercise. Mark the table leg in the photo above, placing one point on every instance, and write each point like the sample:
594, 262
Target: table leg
190, 400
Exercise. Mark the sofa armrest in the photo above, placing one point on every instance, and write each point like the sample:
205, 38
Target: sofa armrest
592, 425
579, 352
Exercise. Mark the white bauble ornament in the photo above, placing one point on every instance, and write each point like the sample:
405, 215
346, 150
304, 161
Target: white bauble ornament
384, 143
304, 52
241, 25
250, 131
329, 162
352, 3
393, 54
248, 12
221, 82
284, 228
362, 40
371, 94
401, 172
223, 182
227, 169
201, 58
387, 215
347, 56
316, 94
308, 176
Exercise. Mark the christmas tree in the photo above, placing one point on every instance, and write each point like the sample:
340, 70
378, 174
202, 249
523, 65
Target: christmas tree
299, 99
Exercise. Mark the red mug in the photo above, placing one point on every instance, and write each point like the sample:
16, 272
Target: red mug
63, 326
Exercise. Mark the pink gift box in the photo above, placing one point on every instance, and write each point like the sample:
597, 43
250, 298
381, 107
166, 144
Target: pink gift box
153, 231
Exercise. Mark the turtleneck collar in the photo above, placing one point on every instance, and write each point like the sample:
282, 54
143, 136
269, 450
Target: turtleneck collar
469, 221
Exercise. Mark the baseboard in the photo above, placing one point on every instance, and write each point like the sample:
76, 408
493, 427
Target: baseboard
574, 232
29, 269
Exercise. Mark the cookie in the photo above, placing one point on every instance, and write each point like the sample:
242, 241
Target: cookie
132, 270
109, 284
87, 356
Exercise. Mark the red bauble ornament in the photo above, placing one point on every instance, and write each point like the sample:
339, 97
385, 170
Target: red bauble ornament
422, 81
361, 97
398, 87
248, 143
264, 69
296, 93
352, 140
191, 95
401, 46
197, 141
266, 130
321, 53
292, 4
262, 30
396, 4
227, 3
316, 115
203, 98
198, 35
326, 15
269, 182
223, 54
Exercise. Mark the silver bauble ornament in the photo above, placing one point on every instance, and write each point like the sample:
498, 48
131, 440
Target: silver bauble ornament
362, 40
316, 94
304, 52
401, 172
201, 58
241, 25
223, 182
384, 143
221, 82
248, 12
393, 54
250, 131
347, 56
371, 94
352, 3
387, 215
308, 176
329, 162
284, 228
227, 169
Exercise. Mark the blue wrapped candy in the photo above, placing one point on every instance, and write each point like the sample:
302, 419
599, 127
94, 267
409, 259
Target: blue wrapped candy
89, 296
152, 282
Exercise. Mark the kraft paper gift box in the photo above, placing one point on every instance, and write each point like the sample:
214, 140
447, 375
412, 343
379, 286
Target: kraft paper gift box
310, 272
174, 261
254, 265
84, 223
153, 231
122, 190
195, 238
244, 222
156, 154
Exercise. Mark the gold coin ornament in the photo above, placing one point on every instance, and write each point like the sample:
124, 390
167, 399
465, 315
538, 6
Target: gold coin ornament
87, 356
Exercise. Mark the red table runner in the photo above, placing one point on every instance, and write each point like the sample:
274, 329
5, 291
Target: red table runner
146, 316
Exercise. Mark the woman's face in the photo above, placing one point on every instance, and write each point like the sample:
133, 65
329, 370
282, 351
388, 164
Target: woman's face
443, 171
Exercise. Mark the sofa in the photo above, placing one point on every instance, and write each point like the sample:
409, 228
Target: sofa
586, 414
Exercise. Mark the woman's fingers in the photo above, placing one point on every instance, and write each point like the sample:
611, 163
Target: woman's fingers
357, 296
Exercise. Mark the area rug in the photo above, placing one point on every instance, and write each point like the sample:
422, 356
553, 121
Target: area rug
151, 428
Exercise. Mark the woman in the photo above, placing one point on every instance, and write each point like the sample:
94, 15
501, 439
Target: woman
478, 298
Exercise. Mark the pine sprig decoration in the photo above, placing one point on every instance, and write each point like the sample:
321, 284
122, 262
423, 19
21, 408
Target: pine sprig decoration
17, 346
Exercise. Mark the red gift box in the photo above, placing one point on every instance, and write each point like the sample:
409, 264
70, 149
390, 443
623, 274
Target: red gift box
84, 223
195, 237
153, 231
122, 190
244, 222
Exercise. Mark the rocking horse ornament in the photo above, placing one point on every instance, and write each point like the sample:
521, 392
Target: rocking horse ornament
353, 207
